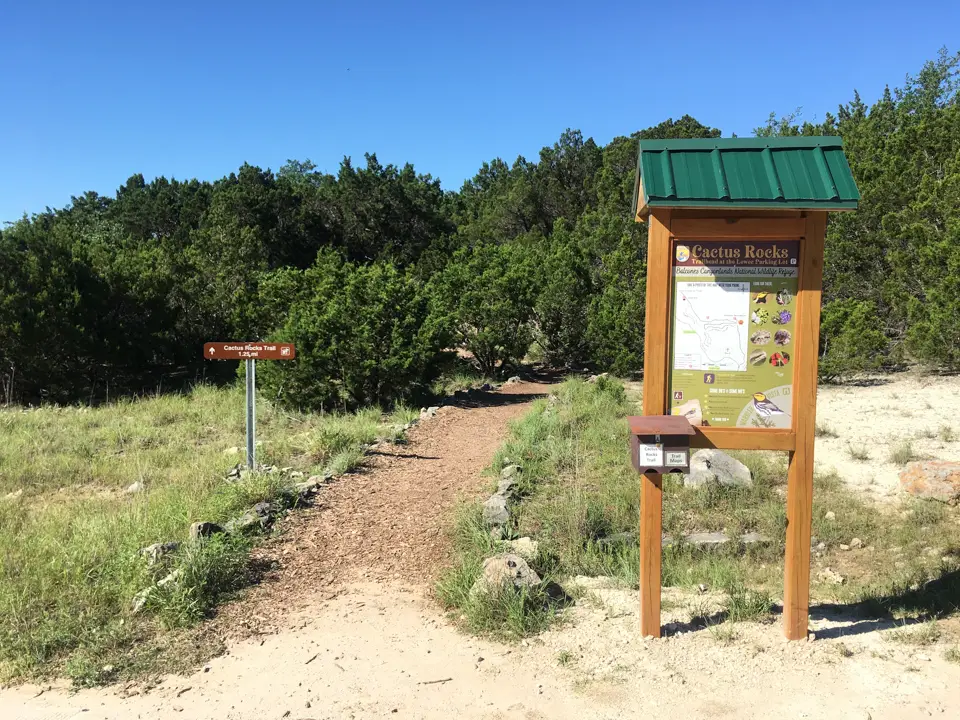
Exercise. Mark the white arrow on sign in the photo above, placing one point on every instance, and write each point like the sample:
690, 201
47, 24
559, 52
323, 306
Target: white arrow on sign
213, 351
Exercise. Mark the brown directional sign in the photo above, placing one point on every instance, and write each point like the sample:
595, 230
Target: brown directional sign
249, 351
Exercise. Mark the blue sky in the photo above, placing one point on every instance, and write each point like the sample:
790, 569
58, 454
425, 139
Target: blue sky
95, 92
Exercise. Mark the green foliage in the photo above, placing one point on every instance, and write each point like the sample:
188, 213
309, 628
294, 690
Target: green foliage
116, 295
364, 336
560, 312
485, 297
851, 339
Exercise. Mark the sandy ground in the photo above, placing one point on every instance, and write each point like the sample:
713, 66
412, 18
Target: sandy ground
344, 627
877, 418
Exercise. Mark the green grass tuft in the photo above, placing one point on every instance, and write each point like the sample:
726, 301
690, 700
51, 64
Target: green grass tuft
857, 453
903, 453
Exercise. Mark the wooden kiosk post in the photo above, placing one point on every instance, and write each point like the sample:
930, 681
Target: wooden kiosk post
734, 269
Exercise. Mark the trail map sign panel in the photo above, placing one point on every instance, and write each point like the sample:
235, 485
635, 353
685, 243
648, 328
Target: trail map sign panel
734, 316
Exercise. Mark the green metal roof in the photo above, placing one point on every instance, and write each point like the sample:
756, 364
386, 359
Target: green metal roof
797, 173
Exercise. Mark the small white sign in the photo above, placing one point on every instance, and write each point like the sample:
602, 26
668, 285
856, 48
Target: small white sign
650, 455
676, 459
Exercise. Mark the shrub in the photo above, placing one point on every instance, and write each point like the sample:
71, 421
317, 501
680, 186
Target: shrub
851, 339
485, 297
363, 336
560, 309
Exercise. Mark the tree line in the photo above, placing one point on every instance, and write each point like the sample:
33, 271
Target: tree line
377, 273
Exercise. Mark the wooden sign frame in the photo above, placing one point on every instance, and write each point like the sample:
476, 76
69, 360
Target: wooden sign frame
666, 225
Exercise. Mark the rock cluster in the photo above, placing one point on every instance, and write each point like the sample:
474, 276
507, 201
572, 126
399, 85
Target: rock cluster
496, 510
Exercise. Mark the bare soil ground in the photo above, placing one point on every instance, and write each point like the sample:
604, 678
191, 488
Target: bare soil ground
343, 626
886, 415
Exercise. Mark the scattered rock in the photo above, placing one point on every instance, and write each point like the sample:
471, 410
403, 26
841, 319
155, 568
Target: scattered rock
154, 552
708, 540
234, 473
513, 380
510, 471
753, 538
14, 495
141, 598
249, 521
310, 485
831, 576
709, 465
235, 450
933, 480
830, 515
594, 378
821, 546
495, 511
525, 547
171, 578
701, 588
135, 488
619, 540
507, 488
503, 572
856, 543
844, 547
297, 474
429, 412
203, 530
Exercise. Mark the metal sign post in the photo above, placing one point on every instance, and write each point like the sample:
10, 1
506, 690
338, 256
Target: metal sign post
251, 414
250, 352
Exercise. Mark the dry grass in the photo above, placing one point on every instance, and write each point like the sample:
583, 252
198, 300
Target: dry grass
70, 534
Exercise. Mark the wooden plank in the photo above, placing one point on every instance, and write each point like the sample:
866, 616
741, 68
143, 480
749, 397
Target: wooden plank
758, 228
651, 528
796, 581
655, 345
655, 373
743, 439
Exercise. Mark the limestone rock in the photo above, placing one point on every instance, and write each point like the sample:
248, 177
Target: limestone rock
155, 552
495, 511
830, 516
510, 471
513, 380
709, 465
504, 572
135, 488
932, 479
203, 530
856, 543
525, 547
831, 576
235, 450
507, 488
707, 540
595, 378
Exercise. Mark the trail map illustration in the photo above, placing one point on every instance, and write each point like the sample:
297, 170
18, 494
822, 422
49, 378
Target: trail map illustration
712, 326
733, 332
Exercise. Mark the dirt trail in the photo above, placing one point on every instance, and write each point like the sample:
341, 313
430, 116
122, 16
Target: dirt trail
387, 521
357, 636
